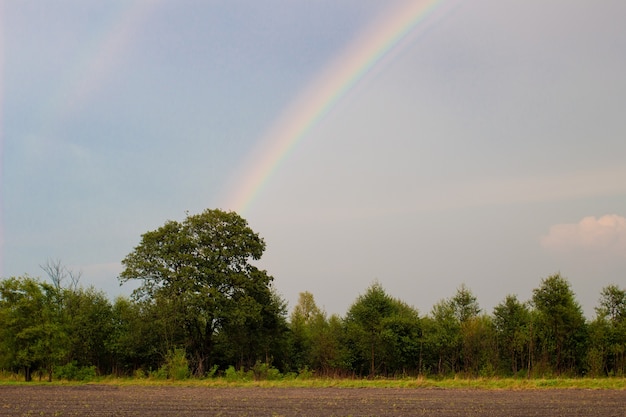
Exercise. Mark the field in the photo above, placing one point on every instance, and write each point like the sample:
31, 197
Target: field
178, 400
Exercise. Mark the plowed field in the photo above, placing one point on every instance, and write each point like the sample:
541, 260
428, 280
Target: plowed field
105, 400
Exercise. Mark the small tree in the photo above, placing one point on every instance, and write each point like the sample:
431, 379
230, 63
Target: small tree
465, 304
89, 322
59, 273
32, 335
442, 338
511, 319
376, 326
611, 318
450, 330
303, 320
137, 336
560, 327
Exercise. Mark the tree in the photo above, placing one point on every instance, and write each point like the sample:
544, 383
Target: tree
561, 327
58, 273
478, 346
511, 319
376, 325
611, 318
256, 332
303, 318
327, 350
612, 304
465, 304
402, 333
306, 310
32, 336
200, 268
450, 331
88, 318
137, 336
476, 333
599, 352
442, 338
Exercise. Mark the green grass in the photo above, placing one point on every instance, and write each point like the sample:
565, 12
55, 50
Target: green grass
407, 383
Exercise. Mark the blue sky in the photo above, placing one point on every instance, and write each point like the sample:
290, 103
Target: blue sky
486, 150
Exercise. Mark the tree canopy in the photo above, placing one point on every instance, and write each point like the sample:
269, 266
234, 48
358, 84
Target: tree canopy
203, 307
199, 272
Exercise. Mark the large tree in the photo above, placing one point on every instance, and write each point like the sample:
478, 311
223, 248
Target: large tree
200, 272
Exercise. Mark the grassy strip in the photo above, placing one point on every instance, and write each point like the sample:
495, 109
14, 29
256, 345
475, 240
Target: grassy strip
407, 383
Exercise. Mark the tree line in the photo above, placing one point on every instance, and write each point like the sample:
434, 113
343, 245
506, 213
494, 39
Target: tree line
202, 308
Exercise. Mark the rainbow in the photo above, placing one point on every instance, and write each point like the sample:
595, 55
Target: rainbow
96, 60
319, 99
86, 74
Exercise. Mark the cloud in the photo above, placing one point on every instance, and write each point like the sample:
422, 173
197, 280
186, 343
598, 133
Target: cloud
606, 234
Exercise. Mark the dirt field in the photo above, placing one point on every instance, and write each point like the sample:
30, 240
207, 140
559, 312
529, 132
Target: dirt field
104, 400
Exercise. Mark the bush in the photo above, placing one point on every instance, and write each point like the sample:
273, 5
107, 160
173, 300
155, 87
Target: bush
139, 374
160, 373
176, 366
595, 361
213, 371
264, 371
232, 375
72, 372
305, 373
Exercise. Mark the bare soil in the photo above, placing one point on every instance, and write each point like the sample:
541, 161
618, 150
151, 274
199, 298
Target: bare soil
105, 400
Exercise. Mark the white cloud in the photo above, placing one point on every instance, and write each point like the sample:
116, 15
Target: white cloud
606, 234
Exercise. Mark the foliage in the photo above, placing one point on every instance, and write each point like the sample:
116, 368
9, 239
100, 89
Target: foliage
315, 338
241, 375
381, 334
442, 339
176, 366
608, 333
32, 334
304, 318
511, 320
464, 304
72, 372
89, 324
199, 272
560, 328
202, 309
137, 337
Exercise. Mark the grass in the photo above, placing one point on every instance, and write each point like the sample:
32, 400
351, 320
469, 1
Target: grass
407, 383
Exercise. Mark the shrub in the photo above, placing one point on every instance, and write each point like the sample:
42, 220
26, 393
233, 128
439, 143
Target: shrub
160, 373
72, 372
139, 374
232, 375
264, 371
213, 371
176, 366
305, 373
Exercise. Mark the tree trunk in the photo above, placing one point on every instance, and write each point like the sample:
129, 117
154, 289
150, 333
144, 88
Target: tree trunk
372, 369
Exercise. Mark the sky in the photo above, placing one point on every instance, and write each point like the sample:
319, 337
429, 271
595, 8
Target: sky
423, 145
